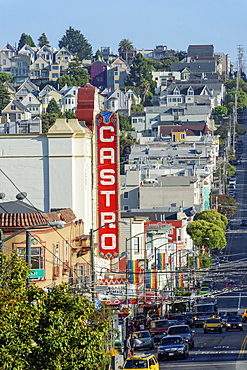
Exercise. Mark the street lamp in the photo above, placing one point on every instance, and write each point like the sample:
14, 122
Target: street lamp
156, 267
92, 231
58, 224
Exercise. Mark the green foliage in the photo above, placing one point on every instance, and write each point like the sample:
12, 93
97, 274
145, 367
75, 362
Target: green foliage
69, 115
43, 40
206, 233
5, 77
137, 108
25, 40
77, 75
48, 120
232, 84
125, 124
4, 97
125, 144
212, 216
56, 330
53, 107
220, 112
223, 130
167, 61
230, 99
141, 76
98, 55
226, 204
180, 54
230, 170
76, 42
125, 45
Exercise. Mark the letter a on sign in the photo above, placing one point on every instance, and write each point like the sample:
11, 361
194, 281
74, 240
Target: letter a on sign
108, 183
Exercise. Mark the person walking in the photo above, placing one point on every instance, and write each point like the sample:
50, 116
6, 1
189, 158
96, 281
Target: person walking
127, 346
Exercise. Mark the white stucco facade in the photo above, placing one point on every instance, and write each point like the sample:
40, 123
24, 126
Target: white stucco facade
54, 169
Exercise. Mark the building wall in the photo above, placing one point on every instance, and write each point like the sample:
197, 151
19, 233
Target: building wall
53, 169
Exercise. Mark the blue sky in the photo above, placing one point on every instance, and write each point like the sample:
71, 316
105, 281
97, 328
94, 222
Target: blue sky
147, 23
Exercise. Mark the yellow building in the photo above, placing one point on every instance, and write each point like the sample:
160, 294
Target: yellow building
57, 255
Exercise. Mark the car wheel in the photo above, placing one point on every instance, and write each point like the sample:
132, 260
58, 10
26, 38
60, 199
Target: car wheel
241, 329
152, 347
220, 330
226, 329
184, 356
159, 358
205, 331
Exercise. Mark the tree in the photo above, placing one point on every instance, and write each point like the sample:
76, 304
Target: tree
180, 54
5, 77
4, 97
55, 330
207, 234
25, 40
124, 47
140, 76
226, 204
53, 107
137, 108
76, 42
77, 75
43, 40
125, 124
230, 99
98, 55
212, 216
167, 61
220, 112
48, 120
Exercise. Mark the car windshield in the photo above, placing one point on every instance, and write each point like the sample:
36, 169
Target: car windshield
168, 341
232, 319
142, 334
179, 317
213, 321
135, 364
178, 330
159, 324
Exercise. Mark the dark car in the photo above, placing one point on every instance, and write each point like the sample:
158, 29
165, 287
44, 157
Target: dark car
172, 347
185, 331
180, 318
244, 222
231, 284
234, 322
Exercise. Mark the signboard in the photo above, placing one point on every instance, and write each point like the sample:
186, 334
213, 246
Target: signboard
108, 182
37, 274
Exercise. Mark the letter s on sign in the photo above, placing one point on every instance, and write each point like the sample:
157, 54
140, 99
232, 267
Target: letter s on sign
105, 175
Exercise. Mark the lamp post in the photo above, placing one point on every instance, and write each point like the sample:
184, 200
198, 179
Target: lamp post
126, 264
92, 231
57, 224
156, 267
170, 256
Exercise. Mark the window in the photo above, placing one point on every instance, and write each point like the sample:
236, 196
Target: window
54, 75
37, 255
55, 67
126, 195
136, 245
134, 120
4, 61
67, 251
126, 208
139, 120
13, 107
57, 255
182, 136
36, 66
138, 195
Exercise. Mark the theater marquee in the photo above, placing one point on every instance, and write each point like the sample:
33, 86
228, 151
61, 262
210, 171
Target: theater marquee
108, 182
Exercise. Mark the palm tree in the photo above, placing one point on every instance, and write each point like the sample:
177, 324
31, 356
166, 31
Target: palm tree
124, 48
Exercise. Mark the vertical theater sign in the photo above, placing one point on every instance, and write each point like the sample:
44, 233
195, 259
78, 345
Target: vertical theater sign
107, 149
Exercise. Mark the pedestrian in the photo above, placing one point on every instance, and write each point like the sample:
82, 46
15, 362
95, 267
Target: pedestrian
132, 344
141, 326
127, 346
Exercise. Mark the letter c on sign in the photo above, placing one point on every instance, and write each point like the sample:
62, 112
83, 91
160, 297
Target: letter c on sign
102, 138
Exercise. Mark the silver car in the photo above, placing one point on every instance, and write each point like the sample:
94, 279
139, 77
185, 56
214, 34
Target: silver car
185, 331
143, 340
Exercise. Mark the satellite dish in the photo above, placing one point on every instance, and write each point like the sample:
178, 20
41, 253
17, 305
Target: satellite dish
2, 195
21, 196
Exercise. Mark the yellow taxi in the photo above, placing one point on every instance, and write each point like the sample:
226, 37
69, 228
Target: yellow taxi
213, 324
244, 316
141, 362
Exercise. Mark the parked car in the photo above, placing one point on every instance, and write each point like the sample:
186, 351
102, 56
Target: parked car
234, 322
185, 331
208, 283
141, 362
213, 324
172, 347
145, 339
244, 222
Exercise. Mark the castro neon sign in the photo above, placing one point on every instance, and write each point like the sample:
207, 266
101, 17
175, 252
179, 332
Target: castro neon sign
108, 182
